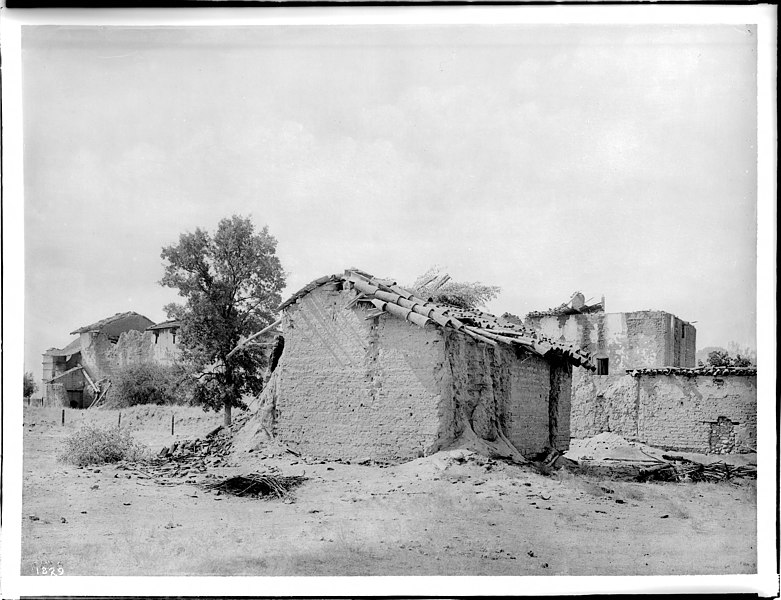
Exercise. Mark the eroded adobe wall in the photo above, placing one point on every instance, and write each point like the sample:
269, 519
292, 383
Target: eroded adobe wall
55, 395
497, 392
526, 410
670, 411
681, 412
104, 359
350, 387
132, 348
603, 403
560, 405
95, 355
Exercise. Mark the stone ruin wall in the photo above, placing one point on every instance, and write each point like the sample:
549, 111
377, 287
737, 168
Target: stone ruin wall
670, 411
383, 388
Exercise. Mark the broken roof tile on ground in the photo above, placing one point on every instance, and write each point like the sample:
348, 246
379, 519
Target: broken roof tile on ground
388, 297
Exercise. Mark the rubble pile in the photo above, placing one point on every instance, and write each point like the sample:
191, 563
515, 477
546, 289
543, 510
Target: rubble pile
679, 469
185, 461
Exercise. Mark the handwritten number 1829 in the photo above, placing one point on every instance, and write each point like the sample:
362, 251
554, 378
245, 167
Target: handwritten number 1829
49, 568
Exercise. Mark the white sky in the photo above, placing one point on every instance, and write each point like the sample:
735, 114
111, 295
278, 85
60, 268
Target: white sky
616, 160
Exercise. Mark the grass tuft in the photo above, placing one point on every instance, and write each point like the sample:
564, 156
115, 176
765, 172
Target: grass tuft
92, 445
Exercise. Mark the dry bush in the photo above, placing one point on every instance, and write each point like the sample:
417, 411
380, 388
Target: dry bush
438, 287
96, 446
150, 383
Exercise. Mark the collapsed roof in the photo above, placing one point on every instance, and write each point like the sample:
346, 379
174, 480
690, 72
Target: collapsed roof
388, 297
103, 323
576, 306
73, 348
172, 324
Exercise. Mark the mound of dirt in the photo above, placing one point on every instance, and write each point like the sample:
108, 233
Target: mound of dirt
607, 446
604, 441
459, 462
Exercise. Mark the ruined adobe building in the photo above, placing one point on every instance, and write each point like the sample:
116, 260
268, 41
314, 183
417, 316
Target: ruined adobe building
646, 386
78, 374
370, 370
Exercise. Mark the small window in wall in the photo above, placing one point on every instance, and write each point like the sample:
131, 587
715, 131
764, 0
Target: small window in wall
601, 366
173, 335
683, 331
157, 335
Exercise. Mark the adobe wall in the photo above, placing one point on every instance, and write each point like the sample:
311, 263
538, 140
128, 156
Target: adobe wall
680, 412
629, 340
350, 387
525, 409
670, 411
104, 359
560, 407
603, 403
164, 348
497, 393
54, 394
96, 355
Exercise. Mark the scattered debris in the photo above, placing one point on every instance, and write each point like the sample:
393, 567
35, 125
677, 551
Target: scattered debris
682, 470
258, 485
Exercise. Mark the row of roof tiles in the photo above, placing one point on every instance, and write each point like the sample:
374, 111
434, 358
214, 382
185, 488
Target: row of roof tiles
694, 371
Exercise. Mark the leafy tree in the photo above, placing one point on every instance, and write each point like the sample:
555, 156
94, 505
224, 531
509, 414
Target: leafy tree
29, 387
742, 361
231, 283
150, 383
721, 358
438, 287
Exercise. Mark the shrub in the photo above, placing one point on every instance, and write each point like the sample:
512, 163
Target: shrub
149, 383
95, 446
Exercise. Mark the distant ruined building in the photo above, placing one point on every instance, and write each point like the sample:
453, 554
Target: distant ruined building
646, 386
79, 374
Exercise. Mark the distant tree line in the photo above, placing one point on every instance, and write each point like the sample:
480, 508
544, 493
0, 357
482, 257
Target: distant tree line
722, 358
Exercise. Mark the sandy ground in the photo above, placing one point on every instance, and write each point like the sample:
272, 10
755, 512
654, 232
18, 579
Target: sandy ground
432, 516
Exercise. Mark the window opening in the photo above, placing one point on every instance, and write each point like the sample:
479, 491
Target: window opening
601, 366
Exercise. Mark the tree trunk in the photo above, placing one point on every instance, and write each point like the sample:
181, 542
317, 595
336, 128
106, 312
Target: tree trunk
228, 407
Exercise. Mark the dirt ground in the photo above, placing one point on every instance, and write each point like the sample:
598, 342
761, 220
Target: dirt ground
433, 516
